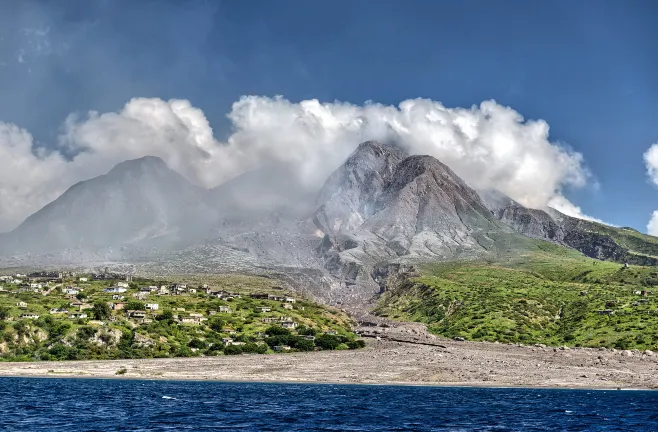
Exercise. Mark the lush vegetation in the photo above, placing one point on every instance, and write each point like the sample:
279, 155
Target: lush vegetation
550, 295
190, 324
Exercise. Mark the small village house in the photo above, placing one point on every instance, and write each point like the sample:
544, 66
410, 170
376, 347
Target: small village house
83, 279
115, 289
117, 306
289, 324
225, 309
57, 311
21, 304
282, 348
136, 314
30, 316
152, 306
78, 315
263, 309
123, 284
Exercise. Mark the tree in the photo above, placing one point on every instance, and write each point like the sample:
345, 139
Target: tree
302, 344
81, 296
134, 305
277, 331
328, 342
167, 316
216, 324
233, 350
4, 313
306, 331
101, 311
197, 343
253, 348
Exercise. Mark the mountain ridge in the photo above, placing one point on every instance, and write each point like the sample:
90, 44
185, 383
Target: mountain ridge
381, 207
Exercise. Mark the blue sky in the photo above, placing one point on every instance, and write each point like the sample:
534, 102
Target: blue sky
588, 68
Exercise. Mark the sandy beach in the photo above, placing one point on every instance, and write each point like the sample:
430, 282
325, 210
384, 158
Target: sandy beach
418, 360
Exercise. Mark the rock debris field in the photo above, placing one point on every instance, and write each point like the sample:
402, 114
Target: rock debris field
400, 355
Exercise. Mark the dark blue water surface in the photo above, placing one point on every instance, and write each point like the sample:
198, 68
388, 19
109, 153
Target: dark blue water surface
128, 405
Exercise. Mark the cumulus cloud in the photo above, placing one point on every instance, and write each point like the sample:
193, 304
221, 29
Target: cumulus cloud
564, 206
652, 226
651, 162
488, 145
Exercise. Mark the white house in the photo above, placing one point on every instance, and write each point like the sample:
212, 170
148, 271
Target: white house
36, 285
115, 289
30, 316
78, 315
225, 309
71, 291
83, 279
123, 284
58, 311
152, 306
21, 304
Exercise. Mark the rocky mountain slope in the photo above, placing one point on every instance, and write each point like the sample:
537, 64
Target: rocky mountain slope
593, 239
381, 209
140, 200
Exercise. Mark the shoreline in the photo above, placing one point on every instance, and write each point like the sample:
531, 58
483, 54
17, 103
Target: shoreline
301, 382
382, 362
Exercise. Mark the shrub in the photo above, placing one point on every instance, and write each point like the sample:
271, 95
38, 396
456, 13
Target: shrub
166, 316
4, 313
233, 350
302, 344
306, 331
86, 333
277, 331
197, 343
328, 342
253, 348
134, 305
101, 311
216, 324
356, 344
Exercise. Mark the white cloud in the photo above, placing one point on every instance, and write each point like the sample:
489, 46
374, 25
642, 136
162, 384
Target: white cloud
651, 162
652, 226
564, 206
488, 145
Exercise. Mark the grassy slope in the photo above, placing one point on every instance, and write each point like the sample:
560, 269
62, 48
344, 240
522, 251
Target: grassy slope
22, 339
532, 297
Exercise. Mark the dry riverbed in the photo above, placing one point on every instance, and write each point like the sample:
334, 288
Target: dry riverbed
429, 360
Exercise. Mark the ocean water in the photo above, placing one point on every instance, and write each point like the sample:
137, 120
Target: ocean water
130, 405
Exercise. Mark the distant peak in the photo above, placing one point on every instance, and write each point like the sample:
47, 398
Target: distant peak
144, 162
377, 146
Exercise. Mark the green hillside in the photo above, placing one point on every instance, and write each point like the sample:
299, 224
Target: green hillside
47, 323
549, 295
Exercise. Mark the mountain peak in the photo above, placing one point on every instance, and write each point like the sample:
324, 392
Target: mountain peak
143, 163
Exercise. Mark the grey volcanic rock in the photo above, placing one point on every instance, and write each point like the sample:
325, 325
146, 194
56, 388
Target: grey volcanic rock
529, 222
137, 201
349, 194
383, 207
590, 238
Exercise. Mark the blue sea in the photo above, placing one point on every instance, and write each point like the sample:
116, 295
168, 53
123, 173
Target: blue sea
30, 404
